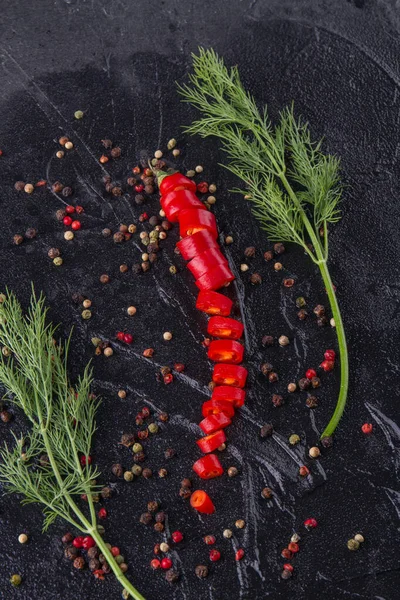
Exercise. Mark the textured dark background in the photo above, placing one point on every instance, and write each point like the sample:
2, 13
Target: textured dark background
118, 61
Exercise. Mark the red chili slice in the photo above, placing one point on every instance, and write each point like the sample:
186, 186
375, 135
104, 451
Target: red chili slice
211, 302
193, 245
214, 422
178, 200
202, 502
234, 375
229, 394
229, 351
193, 220
214, 407
176, 181
207, 260
224, 327
216, 278
211, 442
208, 467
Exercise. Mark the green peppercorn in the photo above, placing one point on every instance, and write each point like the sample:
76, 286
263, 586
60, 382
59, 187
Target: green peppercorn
15, 580
173, 270
58, 261
300, 302
128, 476
86, 314
294, 439
96, 342
119, 559
153, 428
136, 470
78, 114
137, 448
353, 544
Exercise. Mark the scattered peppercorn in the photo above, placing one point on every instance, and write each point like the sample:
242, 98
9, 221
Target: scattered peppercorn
255, 279
19, 186
201, 571
172, 576
267, 340
266, 493
277, 400
283, 340
169, 453
319, 310
353, 544
240, 523
266, 430
18, 239
232, 472
71, 552
288, 283
279, 248
327, 442
117, 470
268, 256
273, 377
266, 368
292, 387
145, 518
294, 439
53, 253
104, 279
159, 527
304, 383
300, 302
79, 563
15, 580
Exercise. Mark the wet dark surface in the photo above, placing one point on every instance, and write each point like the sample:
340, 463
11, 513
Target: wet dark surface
118, 62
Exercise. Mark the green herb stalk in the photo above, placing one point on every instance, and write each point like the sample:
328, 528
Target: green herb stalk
44, 466
293, 185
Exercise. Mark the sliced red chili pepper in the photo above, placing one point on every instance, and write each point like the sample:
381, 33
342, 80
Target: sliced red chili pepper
215, 422
229, 351
202, 502
234, 375
178, 200
206, 261
214, 407
193, 220
175, 181
224, 327
211, 302
211, 442
195, 244
208, 467
216, 278
230, 394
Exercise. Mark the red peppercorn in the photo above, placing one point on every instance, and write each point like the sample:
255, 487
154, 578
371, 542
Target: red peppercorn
69, 209
115, 551
75, 225
78, 542
88, 542
330, 355
86, 460
155, 564
99, 574
327, 365
310, 523
206, 342
202, 187
102, 513
239, 554
304, 471
139, 188
367, 428
177, 537
286, 554
128, 338
179, 367
215, 555
310, 373
168, 378
120, 336
145, 412
293, 547
288, 567
209, 540
136, 170
67, 221
166, 563
79, 209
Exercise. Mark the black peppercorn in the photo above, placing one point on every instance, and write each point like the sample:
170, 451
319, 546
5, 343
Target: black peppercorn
117, 470
266, 368
327, 442
67, 538
250, 252
322, 321
5, 416
160, 516
93, 552
286, 574
53, 253
19, 186
279, 248
106, 143
139, 457
136, 268
268, 255
67, 191
277, 400
79, 563
116, 191
266, 493
152, 257
30, 233
106, 492
255, 279
312, 402
185, 493
60, 214
266, 430
145, 266
127, 439
159, 527
171, 576
304, 383
201, 571
147, 473
319, 310
169, 453
18, 239
109, 187
106, 232
94, 564
153, 247
57, 187
273, 377
106, 568
118, 237
267, 340
116, 152
71, 552
315, 382
139, 199
302, 314
145, 518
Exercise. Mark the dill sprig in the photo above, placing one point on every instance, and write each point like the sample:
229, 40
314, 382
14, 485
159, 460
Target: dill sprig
44, 466
294, 186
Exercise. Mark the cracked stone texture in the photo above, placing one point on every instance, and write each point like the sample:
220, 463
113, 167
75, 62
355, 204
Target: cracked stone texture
118, 61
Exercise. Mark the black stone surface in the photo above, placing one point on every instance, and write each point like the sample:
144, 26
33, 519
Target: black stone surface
118, 61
